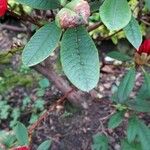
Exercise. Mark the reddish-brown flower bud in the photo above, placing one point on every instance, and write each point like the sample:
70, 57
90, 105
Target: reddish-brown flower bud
68, 19
81, 7
73, 14
142, 56
3, 7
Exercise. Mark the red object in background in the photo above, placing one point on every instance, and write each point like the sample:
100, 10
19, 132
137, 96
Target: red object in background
3, 7
145, 47
22, 148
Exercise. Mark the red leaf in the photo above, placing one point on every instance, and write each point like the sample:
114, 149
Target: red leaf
3, 7
22, 148
145, 47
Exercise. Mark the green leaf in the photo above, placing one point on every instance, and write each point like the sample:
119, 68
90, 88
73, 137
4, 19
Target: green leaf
115, 120
100, 142
144, 92
144, 135
44, 83
147, 2
142, 103
41, 4
119, 56
79, 58
45, 145
125, 145
133, 33
26, 101
40, 92
7, 138
63, 2
125, 87
33, 118
21, 133
139, 105
39, 104
15, 114
4, 111
41, 45
132, 129
115, 14
94, 5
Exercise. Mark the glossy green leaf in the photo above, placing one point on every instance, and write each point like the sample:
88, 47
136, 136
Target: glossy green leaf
125, 145
39, 104
133, 33
139, 105
79, 58
115, 120
44, 83
21, 133
142, 102
100, 142
144, 92
125, 87
41, 45
147, 2
115, 14
144, 135
119, 56
94, 5
132, 129
7, 138
45, 145
41, 4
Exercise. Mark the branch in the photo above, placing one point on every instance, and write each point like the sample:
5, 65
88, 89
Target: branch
24, 18
94, 26
145, 22
56, 106
109, 36
76, 97
9, 27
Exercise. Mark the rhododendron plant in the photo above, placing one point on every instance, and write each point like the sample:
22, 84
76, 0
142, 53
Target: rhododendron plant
68, 27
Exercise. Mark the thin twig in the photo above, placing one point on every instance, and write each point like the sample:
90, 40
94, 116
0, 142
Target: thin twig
145, 22
94, 26
13, 28
53, 107
24, 18
109, 36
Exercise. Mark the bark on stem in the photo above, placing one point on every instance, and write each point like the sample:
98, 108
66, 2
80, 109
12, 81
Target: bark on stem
77, 97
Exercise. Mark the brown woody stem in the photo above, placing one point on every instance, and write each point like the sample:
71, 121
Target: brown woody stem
76, 97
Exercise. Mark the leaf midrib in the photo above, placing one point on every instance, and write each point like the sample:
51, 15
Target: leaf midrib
82, 66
